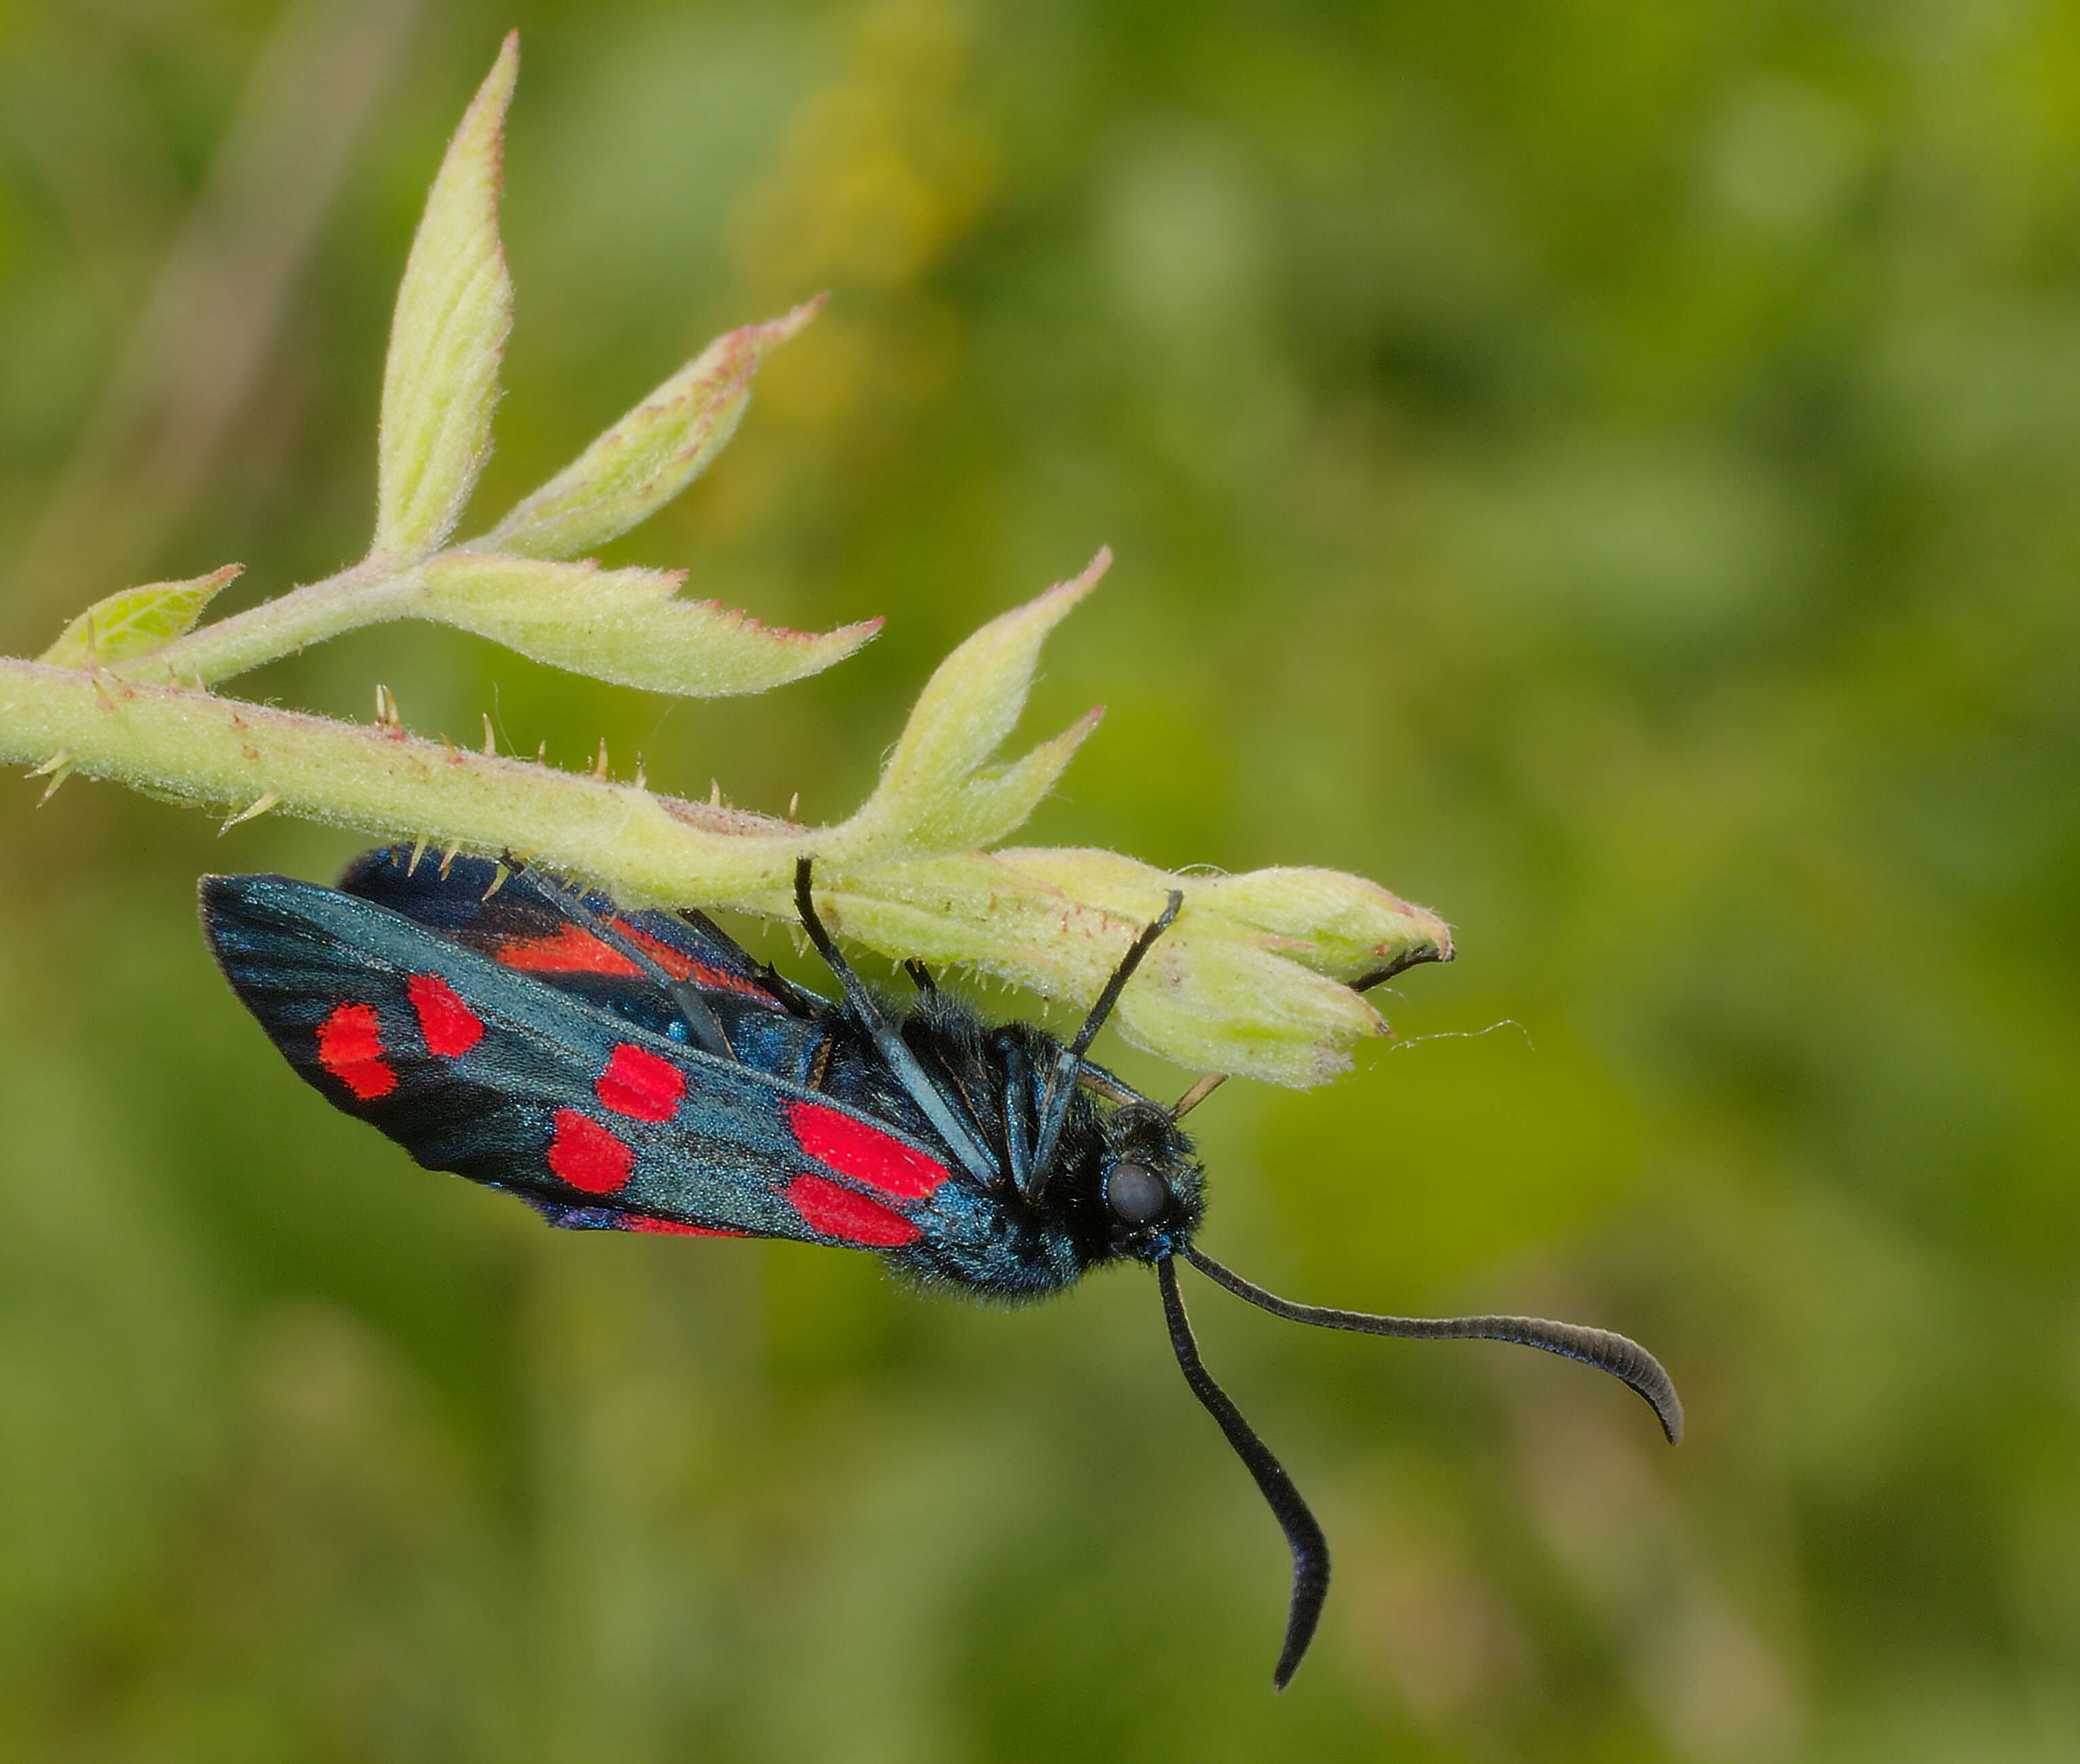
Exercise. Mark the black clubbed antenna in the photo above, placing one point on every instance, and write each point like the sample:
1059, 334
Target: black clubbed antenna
1303, 1535
1619, 1355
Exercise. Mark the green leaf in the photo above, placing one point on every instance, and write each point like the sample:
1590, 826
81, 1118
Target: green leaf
1338, 925
137, 621
1217, 992
648, 457
967, 707
626, 626
454, 308
997, 799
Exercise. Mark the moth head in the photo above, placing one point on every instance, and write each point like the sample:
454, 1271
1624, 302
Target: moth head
1151, 1187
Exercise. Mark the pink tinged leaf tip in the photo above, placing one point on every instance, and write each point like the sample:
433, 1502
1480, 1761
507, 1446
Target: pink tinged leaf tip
1078, 586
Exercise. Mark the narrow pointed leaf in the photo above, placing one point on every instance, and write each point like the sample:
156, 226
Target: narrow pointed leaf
997, 800
626, 626
648, 457
137, 621
968, 707
454, 308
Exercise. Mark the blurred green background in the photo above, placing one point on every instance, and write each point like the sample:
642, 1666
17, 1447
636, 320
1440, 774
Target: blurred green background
1607, 472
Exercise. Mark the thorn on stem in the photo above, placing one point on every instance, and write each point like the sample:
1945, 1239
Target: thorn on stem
498, 875
448, 858
418, 852
57, 768
252, 811
599, 765
490, 743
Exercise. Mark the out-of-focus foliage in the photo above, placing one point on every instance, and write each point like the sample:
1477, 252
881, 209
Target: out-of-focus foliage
1609, 472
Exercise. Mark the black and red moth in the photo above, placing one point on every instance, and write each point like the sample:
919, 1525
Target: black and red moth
638, 1072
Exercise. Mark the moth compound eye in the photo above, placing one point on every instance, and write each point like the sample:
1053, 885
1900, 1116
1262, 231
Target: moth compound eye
1135, 1193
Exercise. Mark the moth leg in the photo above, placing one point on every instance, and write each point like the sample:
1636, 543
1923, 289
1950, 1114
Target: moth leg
921, 977
805, 1005
1018, 1116
819, 1062
702, 1026
1062, 1081
960, 1138
1099, 1085
1201, 1088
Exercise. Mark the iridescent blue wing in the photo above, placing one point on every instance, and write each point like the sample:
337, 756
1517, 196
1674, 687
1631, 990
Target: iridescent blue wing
531, 923
479, 1067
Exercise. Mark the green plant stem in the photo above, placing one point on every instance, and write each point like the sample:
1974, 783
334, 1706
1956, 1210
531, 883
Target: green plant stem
174, 740
1251, 980
365, 594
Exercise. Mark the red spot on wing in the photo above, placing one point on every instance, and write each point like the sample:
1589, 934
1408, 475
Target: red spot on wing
865, 1154
722, 980
639, 1084
702, 974
450, 1026
568, 950
587, 1156
662, 954
639, 1221
350, 1048
838, 1213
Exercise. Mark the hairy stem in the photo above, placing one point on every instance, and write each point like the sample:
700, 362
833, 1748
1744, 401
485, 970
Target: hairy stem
180, 742
1252, 980
365, 594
